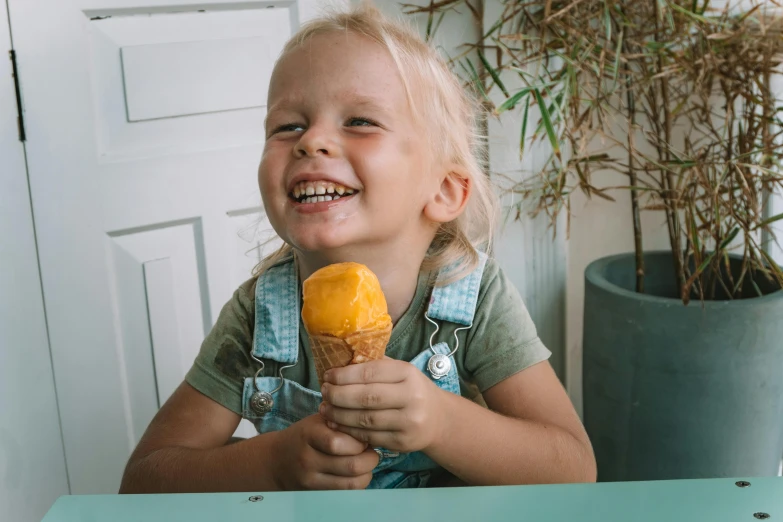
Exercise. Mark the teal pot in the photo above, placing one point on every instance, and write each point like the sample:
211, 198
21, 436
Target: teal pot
674, 391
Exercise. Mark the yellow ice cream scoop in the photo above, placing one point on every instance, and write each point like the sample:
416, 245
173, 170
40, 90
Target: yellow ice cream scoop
344, 312
342, 299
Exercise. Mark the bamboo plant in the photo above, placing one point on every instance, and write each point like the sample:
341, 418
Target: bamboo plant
676, 95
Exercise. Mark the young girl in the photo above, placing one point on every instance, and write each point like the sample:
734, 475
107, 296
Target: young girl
370, 157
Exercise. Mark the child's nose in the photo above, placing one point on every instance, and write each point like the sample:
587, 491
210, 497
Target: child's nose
316, 141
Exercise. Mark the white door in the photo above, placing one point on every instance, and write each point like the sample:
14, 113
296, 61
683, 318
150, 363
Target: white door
32, 462
144, 126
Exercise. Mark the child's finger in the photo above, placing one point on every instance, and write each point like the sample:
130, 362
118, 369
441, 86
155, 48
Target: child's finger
376, 439
326, 481
382, 370
367, 419
366, 396
331, 442
353, 466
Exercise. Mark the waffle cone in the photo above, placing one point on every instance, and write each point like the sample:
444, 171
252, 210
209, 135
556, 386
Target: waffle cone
334, 352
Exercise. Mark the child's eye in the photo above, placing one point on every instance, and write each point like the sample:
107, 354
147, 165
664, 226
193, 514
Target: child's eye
361, 122
288, 127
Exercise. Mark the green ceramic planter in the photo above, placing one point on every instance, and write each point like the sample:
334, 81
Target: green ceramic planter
674, 391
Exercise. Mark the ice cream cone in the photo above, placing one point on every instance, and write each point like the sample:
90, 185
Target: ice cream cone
344, 312
334, 352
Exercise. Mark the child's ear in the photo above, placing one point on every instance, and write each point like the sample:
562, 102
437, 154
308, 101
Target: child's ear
448, 202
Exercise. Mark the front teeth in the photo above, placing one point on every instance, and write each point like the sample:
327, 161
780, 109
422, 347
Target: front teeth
319, 199
319, 191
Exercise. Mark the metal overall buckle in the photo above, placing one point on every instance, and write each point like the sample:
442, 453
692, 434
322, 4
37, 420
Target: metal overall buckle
439, 365
262, 402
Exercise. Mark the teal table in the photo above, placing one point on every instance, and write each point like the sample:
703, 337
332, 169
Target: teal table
708, 500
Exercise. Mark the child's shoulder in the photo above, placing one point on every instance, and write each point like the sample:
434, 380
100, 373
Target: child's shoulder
494, 281
243, 302
492, 271
500, 303
244, 298
238, 312
503, 339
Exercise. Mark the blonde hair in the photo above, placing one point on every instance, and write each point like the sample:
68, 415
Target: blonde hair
450, 114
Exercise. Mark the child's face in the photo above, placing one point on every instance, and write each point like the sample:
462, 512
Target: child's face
340, 127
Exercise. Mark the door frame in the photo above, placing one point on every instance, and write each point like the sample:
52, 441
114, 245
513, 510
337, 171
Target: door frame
31, 444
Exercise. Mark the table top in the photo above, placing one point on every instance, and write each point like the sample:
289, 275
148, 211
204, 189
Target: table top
713, 500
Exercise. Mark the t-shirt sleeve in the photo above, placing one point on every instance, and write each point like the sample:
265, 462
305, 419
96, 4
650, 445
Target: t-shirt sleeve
503, 340
224, 359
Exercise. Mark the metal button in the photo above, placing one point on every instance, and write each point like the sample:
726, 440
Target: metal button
261, 402
439, 366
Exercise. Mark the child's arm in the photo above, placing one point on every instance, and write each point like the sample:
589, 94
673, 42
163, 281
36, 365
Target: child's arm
532, 436
184, 450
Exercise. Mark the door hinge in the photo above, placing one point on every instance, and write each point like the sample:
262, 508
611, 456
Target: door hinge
19, 112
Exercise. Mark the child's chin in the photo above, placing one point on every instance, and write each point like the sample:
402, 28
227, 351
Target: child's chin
321, 244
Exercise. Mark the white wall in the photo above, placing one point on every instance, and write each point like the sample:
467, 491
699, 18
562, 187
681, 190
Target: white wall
32, 462
776, 203
776, 208
457, 27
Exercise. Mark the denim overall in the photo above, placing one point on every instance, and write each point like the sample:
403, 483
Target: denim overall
276, 338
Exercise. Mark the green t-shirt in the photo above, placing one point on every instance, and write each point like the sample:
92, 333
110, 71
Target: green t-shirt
503, 341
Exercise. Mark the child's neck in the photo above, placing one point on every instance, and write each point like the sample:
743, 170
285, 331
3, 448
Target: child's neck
398, 273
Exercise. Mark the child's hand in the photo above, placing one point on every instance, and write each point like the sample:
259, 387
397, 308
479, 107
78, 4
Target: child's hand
312, 456
386, 403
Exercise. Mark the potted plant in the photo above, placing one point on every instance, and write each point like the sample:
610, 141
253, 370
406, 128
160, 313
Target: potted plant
683, 349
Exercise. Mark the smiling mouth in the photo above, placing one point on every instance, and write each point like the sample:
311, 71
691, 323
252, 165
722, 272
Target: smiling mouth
320, 191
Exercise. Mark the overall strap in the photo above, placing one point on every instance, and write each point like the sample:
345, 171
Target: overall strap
276, 332
456, 301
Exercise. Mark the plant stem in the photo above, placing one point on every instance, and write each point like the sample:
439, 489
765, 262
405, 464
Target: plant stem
637, 222
672, 215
